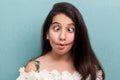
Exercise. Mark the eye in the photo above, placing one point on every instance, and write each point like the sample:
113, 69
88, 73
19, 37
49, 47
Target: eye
70, 29
56, 28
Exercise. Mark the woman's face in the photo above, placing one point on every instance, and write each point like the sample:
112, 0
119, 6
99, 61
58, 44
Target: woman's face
61, 34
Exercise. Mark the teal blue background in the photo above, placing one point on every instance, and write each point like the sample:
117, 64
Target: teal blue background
20, 31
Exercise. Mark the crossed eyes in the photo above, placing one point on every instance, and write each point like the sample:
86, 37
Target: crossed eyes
69, 29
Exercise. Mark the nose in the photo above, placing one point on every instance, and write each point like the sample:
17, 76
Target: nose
62, 36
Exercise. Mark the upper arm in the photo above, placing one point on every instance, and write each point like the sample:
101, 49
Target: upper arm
30, 66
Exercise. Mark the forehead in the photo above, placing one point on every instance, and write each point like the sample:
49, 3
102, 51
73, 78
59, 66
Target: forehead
62, 18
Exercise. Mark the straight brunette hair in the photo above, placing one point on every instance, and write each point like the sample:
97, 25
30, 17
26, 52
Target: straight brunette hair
85, 61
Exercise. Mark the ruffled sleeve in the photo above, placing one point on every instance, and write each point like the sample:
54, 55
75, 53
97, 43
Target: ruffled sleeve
99, 75
32, 75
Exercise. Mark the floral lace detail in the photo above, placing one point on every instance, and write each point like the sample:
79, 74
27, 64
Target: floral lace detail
53, 75
99, 75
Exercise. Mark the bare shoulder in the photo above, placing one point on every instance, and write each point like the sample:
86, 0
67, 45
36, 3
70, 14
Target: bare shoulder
30, 66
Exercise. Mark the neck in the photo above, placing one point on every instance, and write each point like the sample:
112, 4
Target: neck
57, 57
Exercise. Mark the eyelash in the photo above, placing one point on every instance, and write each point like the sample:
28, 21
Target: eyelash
70, 29
56, 28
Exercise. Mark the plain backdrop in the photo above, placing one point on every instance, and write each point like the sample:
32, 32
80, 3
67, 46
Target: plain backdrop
20, 32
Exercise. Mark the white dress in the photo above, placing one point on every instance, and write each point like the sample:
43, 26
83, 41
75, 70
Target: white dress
53, 75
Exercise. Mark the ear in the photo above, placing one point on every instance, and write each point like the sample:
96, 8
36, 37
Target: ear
47, 37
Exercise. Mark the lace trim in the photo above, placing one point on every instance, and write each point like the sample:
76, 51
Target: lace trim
53, 75
45, 75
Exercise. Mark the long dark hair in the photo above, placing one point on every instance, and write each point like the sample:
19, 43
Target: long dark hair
85, 61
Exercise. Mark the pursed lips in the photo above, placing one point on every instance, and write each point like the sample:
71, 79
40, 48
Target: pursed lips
61, 46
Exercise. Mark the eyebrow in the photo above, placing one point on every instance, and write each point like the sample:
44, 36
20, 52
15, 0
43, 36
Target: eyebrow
59, 23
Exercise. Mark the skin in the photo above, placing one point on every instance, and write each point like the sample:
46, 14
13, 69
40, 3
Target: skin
61, 36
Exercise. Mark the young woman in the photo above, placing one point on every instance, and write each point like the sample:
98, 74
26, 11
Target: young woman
66, 49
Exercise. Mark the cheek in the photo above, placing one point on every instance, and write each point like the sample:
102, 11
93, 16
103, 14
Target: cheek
53, 37
70, 38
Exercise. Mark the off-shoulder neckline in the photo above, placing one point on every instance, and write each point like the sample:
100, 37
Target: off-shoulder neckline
22, 69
